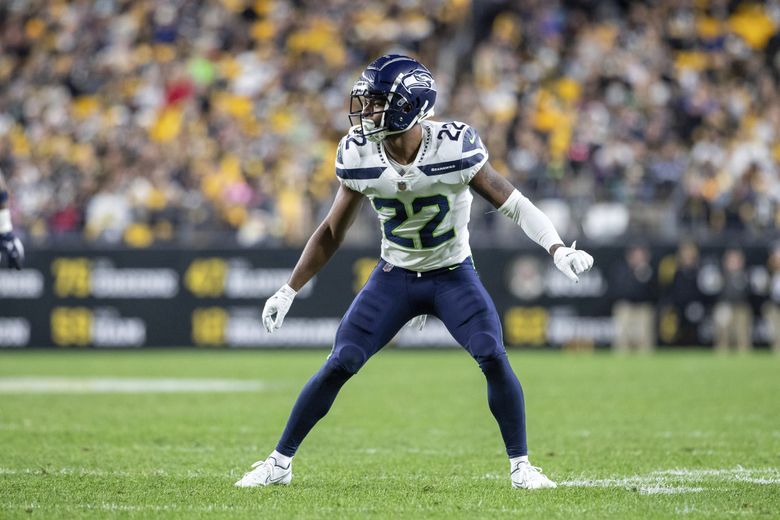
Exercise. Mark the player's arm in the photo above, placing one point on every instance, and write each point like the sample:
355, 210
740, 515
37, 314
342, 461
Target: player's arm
319, 249
10, 246
513, 204
327, 238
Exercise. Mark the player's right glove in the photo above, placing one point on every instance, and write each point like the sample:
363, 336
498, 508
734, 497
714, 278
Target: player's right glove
276, 307
572, 262
12, 248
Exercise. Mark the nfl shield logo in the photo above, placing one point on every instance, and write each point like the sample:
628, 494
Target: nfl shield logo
401, 186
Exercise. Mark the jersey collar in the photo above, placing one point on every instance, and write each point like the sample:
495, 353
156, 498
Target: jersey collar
421, 152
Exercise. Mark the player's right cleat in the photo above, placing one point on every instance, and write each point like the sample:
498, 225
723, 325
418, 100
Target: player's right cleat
265, 473
525, 476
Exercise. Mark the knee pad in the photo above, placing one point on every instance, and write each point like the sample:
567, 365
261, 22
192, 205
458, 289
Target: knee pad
486, 349
348, 358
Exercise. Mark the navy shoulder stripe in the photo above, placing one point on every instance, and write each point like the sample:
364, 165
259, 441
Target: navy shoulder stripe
360, 173
451, 166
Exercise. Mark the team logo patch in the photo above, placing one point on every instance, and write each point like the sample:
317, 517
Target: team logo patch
401, 186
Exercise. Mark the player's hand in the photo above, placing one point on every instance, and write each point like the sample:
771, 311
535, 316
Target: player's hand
276, 307
12, 247
418, 322
572, 262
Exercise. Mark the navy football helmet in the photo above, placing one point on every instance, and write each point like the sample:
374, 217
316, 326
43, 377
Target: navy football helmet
398, 87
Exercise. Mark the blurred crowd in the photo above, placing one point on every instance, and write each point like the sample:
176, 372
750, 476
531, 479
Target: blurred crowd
144, 122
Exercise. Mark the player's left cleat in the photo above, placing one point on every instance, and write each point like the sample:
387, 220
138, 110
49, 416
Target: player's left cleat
525, 476
265, 473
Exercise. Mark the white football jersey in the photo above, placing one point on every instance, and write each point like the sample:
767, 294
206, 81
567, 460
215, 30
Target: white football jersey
424, 213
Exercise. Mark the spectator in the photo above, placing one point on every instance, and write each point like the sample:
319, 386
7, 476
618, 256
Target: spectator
732, 314
685, 296
633, 312
771, 308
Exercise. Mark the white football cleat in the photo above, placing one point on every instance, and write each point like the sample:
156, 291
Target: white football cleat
525, 476
265, 473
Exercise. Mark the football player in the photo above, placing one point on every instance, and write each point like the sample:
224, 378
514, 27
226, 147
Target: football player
10, 245
418, 175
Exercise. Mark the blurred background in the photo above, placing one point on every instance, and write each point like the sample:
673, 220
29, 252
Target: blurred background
168, 160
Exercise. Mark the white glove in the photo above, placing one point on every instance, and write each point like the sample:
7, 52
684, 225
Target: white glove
572, 262
278, 305
418, 322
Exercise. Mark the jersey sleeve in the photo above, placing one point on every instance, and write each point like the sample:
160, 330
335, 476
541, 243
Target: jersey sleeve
474, 154
342, 171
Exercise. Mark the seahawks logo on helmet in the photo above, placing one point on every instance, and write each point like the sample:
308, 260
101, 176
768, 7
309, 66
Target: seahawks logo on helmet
418, 79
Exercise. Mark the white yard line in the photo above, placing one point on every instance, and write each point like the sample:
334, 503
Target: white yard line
668, 490
675, 481
645, 485
101, 385
738, 474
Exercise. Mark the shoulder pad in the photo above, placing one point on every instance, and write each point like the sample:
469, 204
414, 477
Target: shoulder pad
459, 148
471, 140
457, 135
351, 148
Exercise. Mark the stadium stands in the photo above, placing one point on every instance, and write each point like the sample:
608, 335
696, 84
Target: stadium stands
218, 121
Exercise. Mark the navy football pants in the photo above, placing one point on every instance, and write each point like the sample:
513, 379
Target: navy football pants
389, 299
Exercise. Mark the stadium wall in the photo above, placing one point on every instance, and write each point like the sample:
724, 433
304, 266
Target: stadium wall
212, 298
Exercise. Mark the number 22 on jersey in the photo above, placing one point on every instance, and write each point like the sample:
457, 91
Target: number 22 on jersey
402, 213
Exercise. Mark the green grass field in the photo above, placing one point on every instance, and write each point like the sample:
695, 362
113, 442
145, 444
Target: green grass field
681, 434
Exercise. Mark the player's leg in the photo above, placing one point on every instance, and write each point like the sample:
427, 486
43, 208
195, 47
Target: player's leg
464, 306
375, 316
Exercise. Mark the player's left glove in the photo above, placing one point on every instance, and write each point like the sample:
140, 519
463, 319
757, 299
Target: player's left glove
276, 307
11, 247
418, 322
572, 262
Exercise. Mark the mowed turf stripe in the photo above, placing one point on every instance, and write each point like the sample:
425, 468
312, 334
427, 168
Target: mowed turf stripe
87, 472
126, 508
107, 385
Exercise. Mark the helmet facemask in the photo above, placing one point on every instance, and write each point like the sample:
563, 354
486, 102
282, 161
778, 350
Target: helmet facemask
365, 105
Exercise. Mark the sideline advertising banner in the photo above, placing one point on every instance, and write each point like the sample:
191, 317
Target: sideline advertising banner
213, 298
